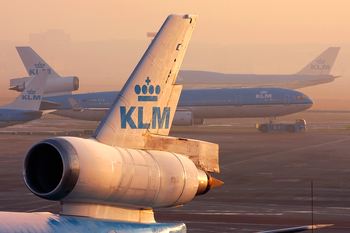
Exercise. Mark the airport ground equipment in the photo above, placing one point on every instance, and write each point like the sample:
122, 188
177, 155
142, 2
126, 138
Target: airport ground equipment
298, 126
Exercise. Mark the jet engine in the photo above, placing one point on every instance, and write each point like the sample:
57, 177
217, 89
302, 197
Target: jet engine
183, 118
76, 170
53, 85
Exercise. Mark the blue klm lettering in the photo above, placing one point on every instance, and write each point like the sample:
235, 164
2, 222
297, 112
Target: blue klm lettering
29, 97
127, 117
140, 119
165, 117
157, 117
36, 71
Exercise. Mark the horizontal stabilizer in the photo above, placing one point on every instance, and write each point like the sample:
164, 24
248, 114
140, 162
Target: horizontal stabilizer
75, 105
49, 105
299, 229
205, 155
18, 81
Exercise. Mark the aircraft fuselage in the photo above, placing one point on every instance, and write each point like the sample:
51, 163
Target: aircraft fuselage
208, 103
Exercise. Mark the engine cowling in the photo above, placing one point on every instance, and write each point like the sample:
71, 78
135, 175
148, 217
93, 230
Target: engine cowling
53, 85
76, 170
183, 118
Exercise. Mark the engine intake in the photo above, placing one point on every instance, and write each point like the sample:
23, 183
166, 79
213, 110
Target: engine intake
51, 169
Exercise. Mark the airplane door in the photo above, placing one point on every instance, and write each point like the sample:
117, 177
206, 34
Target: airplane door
7, 117
238, 101
287, 100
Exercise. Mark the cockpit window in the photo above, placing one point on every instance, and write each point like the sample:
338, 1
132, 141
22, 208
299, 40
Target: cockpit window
300, 97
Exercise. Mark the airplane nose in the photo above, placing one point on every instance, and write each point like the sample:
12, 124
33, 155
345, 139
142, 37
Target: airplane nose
309, 103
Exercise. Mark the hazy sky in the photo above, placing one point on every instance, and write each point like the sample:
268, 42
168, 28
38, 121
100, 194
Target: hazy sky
220, 22
231, 36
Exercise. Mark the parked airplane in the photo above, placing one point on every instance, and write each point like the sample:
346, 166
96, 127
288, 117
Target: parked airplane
56, 85
194, 105
315, 73
112, 181
26, 106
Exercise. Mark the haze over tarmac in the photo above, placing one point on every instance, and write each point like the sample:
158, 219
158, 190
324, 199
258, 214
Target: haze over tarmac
101, 42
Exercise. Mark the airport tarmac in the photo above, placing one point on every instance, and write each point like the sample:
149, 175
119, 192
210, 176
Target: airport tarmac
267, 176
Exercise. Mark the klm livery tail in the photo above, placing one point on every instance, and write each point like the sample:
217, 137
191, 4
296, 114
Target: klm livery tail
34, 63
148, 100
322, 64
30, 98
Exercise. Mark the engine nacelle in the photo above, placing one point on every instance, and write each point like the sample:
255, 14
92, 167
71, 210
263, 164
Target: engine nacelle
183, 118
76, 170
53, 85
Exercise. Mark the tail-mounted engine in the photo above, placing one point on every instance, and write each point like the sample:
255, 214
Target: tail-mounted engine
53, 85
76, 170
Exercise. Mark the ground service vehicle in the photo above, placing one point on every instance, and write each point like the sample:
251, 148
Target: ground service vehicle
298, 126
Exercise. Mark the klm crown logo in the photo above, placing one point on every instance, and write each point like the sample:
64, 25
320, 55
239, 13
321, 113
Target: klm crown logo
320, 61
263, 95
31, 95
320, 65
148, 91
159, 119
31, 92
40, 65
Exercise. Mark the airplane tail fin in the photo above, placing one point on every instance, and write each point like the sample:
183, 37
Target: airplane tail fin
322, 64
75, 105
30, 98
34, 63
148, 100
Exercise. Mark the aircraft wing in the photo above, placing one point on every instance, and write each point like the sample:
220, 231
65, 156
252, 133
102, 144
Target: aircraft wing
77, 107
323, 80
151, 106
